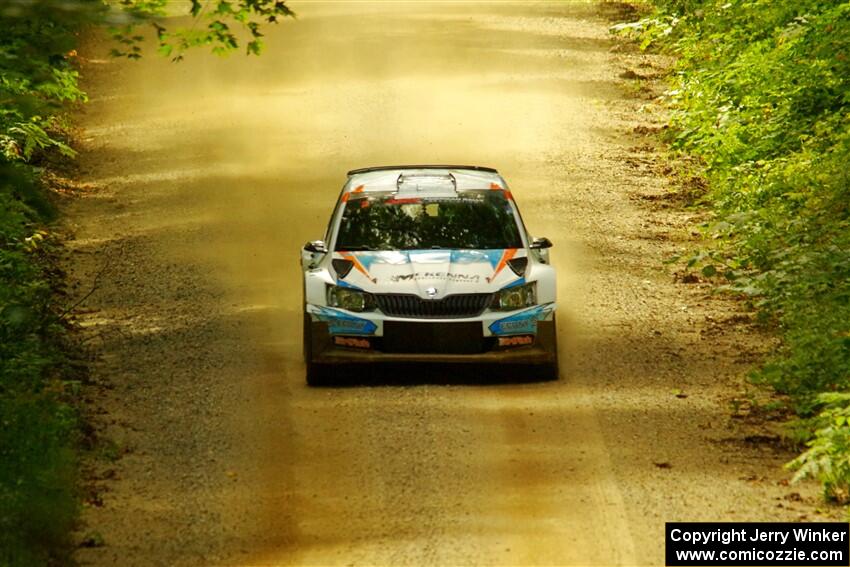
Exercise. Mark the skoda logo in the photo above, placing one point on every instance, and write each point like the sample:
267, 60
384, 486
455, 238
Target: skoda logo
431, 292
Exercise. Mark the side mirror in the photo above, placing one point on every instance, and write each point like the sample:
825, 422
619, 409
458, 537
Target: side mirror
540, 243
316, 247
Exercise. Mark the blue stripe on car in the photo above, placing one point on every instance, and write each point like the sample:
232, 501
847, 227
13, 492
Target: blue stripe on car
341, 323
515, 283
342, 283
522, 323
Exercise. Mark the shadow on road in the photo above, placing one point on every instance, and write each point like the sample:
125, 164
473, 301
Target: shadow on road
433, 374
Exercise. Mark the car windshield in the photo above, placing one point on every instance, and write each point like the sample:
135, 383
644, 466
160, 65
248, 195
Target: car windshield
479, 220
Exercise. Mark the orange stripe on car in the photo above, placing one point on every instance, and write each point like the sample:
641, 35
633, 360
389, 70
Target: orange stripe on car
403, 201
497, 187
506, 256
357, 265
347, 196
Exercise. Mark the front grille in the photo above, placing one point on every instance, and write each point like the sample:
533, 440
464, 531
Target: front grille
450, 307
431, 338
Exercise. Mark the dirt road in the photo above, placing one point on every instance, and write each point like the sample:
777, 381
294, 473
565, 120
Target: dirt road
212, 173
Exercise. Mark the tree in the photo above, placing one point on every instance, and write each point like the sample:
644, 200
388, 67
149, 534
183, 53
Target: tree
38, 73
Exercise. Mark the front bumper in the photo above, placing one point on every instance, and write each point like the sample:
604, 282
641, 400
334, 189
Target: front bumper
447, 343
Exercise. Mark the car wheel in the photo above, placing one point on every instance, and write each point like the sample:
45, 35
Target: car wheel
307, 340
551, 371
317, 375
314, 373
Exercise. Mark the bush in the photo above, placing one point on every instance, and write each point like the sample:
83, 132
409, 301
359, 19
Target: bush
37, 425
761, 94
38, 78
828, 456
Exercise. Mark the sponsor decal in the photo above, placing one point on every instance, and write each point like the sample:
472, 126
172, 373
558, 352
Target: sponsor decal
516, 340
447, 276
353, 342
400, 257
522, 323
498, 259
340, 323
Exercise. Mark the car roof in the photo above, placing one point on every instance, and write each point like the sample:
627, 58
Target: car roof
423, 179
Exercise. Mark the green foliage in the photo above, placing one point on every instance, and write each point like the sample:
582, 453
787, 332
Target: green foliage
37, 75
38, 501
37, 424
761, 95
648, 30
38, 78
828, 457
220, 24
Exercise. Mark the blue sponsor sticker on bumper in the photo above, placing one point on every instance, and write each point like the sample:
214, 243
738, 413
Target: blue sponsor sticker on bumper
523, 323
341, 323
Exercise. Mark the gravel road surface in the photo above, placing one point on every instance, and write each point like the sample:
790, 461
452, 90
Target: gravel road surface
205, 179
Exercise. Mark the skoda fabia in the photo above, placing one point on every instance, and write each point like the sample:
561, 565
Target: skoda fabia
428, 264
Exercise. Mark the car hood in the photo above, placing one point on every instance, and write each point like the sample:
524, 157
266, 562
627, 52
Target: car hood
430, 274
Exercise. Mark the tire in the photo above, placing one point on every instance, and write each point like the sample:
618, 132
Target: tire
317, 376
314, 373
307, 340
551, 371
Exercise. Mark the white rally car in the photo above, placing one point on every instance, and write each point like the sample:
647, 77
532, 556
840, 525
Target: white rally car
428, 264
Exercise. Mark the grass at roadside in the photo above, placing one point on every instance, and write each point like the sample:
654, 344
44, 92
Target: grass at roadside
760, 97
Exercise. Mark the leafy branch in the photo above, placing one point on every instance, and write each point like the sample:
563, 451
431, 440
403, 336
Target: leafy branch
223, 25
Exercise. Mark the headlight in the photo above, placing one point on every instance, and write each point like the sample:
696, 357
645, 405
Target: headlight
516, 297
350, 299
